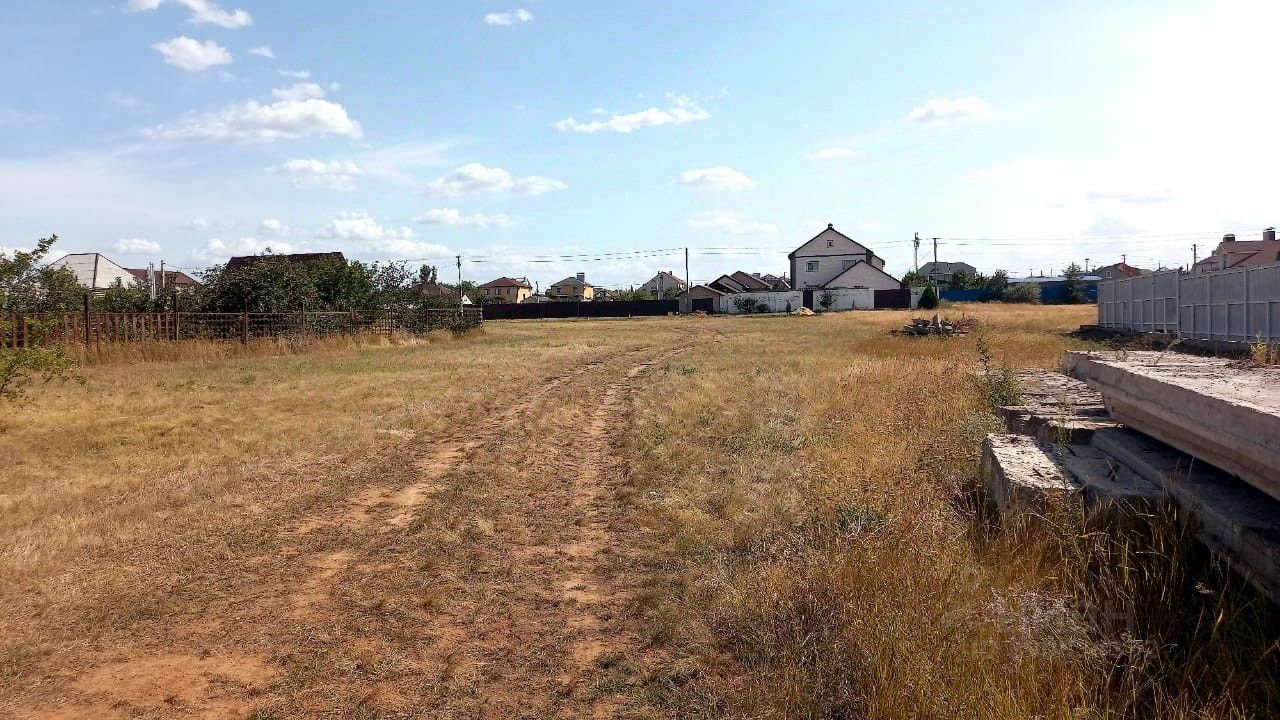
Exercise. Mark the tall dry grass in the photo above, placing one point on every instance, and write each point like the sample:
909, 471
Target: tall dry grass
827, 554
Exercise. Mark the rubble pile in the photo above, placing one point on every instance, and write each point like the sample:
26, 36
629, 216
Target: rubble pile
919, 327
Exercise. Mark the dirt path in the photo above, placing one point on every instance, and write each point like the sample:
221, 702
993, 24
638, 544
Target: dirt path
480, 575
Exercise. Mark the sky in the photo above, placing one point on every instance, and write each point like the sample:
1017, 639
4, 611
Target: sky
545, 138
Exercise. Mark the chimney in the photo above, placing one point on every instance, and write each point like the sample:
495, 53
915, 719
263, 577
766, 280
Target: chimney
1229, 237
582, 278
831, 226
1269, 234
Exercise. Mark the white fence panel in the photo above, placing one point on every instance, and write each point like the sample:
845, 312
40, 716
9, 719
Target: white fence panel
1238, 305
775, 301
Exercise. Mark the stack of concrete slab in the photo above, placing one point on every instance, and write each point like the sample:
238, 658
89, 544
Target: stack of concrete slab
1198, 432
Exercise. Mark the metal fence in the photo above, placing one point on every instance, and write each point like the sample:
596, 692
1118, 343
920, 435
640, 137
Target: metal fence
1239, 305
90, 328
585, 309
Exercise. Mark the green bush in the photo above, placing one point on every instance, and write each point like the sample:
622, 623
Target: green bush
929, 300
1022, 293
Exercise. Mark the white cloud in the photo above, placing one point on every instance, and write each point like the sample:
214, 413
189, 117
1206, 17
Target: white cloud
296, 74
832, 153
730, 223
452, 216
717, 178
378, 240
944, 110
273, 227
136, 246
202, 12
196, 224
683, 110
192, 55
474, 178
217, 250
327, 174
507, 19
263, 51
254, 121
299, 91
1132, 197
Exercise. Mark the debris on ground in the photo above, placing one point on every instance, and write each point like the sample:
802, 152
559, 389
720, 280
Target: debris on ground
919, 327
803, 311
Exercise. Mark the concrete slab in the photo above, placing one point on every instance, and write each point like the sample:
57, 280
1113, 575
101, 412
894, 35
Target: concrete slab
1212, 409
1110, 486
1237, 521
1056, 409
1022, 476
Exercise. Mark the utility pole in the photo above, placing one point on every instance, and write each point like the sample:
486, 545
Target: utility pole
935, 251
687, 281
460, 295
1124, 258
1086, 266
1195, 253
915, 255
161, 274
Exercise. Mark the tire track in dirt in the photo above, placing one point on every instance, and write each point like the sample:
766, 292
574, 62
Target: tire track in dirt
351, 607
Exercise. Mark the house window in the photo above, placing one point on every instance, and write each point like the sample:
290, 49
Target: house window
831, 242
811, 266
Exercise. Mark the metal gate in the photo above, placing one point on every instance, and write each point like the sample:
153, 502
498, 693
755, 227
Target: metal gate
706, 305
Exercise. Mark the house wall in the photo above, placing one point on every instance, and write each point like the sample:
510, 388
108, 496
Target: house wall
507, 294
864, 276
572, 290
659, 285
697, 292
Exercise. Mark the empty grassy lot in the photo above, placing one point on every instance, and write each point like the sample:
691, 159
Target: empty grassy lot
703, 517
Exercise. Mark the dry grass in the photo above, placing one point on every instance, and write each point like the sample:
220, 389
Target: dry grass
817, 547
827, 556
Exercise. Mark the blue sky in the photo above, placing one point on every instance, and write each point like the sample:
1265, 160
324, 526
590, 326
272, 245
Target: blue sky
1026, 135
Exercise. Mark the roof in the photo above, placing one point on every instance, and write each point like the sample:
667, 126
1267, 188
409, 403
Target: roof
435, 288
171, 277
855, 265
93, 270
749, 281
1051, 279
703, 287
508, 282
943, 266
240, 262
668, 274
1265, 252
572, 280
728, 283
1120, 267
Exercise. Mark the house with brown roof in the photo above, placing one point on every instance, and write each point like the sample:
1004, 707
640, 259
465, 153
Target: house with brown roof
664, 282
240, 262
507, 290
1232, 253
167, 279
1117, 270
572, 288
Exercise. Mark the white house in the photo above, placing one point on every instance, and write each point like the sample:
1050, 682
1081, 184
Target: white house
834, 260
94, 271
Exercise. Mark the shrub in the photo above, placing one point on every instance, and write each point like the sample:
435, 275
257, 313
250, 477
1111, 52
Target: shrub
1023, 293
929, 300
19, 367
827, 300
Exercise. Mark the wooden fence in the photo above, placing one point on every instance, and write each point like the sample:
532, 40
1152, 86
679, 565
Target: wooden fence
17, 331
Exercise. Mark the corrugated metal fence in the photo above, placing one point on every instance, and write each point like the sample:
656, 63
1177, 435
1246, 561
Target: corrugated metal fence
1238, 305
89, 327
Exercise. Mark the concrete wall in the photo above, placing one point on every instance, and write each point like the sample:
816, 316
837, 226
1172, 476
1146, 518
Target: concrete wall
777, 301
1229, 305
845, 299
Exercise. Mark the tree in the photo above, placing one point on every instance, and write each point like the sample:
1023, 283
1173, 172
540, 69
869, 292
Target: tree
827, 299
427, 274
960, 280
121, 298
25, 285
929, 299
996, 285
1073, 286
914, 279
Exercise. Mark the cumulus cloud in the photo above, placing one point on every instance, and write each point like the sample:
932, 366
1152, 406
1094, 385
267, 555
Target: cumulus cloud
273, 227
218, 250
945, 110
717, 178
136, 246
475, 178
730, 223
299, 91
202, 12
296, 74
263, 51
374, 238
683, 110
507, 19
452, 216
831, 153
327, 174
255, 122
192, 55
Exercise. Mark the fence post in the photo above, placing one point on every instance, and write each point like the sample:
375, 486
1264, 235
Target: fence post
175, 317
244, 323
391, 328
303, 319
1247, 325
88, 336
